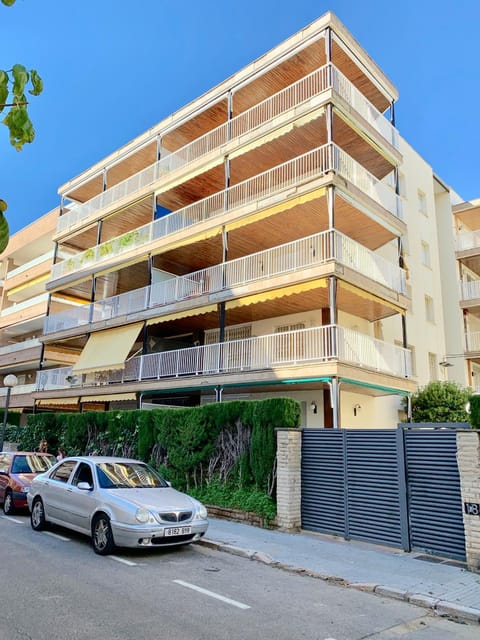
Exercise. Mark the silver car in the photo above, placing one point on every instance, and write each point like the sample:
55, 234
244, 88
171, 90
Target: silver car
116, 501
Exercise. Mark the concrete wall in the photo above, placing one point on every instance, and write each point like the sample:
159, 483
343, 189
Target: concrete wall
468, 457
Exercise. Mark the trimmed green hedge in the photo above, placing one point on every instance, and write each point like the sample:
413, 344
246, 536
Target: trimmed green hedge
229, 442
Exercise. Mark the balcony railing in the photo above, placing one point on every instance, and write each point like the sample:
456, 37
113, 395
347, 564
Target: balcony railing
20, 346
470, 290
472, 341
466, 240
19, 389
288, 258
302, 169
305, 89
293, 348
21, 306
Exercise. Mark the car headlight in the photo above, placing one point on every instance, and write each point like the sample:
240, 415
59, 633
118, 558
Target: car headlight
25, 489
201, 512
144, 516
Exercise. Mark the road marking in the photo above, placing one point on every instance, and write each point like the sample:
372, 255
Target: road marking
56, 535
123, 561
10, 519
234, 603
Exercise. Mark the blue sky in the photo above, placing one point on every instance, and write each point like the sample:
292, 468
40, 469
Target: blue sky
114, 68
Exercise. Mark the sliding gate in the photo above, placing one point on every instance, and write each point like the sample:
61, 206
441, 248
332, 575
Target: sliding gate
394, 487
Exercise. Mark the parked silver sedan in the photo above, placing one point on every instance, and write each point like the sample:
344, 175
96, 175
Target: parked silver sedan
116, 501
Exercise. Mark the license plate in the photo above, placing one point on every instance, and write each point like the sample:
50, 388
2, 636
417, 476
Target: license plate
178, 531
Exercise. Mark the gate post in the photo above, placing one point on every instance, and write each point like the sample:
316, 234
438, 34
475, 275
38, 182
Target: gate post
468, 459
289, 463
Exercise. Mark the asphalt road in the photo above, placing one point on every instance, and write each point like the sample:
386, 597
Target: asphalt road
53, 587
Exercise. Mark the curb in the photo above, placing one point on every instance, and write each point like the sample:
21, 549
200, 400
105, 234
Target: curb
438, 607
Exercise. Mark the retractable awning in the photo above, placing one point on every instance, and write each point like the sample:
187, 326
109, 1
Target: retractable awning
198, 311
110, 397
60, 402
107, 350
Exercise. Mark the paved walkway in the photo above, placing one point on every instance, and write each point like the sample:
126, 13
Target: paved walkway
441, 585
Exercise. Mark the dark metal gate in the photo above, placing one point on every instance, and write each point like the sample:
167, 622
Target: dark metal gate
394, 487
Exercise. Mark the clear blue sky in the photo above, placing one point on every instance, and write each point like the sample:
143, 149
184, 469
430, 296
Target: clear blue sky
114, 68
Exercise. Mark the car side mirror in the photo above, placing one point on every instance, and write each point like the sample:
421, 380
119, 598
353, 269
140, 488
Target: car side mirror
84, 486
3, 473
168, 482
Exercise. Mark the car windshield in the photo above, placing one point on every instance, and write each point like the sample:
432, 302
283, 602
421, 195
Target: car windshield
32, 463
126, 475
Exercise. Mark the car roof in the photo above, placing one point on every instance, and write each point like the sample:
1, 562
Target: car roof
27, 453
99, 459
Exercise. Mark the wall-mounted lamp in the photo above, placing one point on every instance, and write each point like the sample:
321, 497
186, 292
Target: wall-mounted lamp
444, 362
356, 409
313, 406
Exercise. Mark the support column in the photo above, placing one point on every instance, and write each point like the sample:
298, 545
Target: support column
468, 458
289, 479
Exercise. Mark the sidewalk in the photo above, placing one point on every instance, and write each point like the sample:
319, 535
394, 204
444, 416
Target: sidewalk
443, 586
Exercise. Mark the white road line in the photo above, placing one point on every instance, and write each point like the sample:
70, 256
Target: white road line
56, 535
10, 519
234, 603
123, 561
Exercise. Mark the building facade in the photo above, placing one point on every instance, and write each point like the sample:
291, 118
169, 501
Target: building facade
275, 237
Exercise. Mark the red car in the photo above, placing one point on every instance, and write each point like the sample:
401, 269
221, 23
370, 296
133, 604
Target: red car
17, 470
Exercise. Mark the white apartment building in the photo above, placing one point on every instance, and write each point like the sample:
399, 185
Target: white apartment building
275, 237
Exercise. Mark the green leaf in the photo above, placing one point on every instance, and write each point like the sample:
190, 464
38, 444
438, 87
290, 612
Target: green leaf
3, 228
20, 127
3, 89
8, 3
37, 83
20, 77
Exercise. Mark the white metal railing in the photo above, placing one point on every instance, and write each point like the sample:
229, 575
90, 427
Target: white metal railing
265, 112
287, 258
470, 289
364, 107
467, 240
472, 341
292, 348
20, 346
301, 169
19, 388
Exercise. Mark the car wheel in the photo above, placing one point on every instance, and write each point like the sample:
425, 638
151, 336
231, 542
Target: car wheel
37, 517
8, 508
102, 536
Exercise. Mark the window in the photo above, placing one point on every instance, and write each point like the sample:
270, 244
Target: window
426, 254
83, 474
402, 188
422, 202
432, 366
63, 472
429, 311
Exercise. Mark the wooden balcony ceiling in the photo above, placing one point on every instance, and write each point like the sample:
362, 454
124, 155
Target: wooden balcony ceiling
348, 67
467, 215
87, 190
471, 261
198, 125
284, 74
359, 149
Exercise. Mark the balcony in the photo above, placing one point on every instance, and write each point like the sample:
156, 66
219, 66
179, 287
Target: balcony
468, 240
470, 290
314, 164
299, 348
304, 93
286, 259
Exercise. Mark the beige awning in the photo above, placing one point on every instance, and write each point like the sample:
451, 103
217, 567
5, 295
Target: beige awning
183, 314
273, 294
110, 397
107, 350
47, 402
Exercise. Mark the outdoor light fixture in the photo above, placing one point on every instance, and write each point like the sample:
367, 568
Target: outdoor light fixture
356, 409
444, 362
313, 406
9, 381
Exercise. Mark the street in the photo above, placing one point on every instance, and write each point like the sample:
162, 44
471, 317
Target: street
54, 587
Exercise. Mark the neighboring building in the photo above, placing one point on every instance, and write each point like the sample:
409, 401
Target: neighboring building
275, 237
467, 224
24, 269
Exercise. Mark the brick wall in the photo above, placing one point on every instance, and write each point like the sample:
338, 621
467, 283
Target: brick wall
468, 457
289, 460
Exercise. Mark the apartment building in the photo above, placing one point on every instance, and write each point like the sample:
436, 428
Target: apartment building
275, 237
24, 269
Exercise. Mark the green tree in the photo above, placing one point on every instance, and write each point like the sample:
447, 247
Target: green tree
440, 402
14, 83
